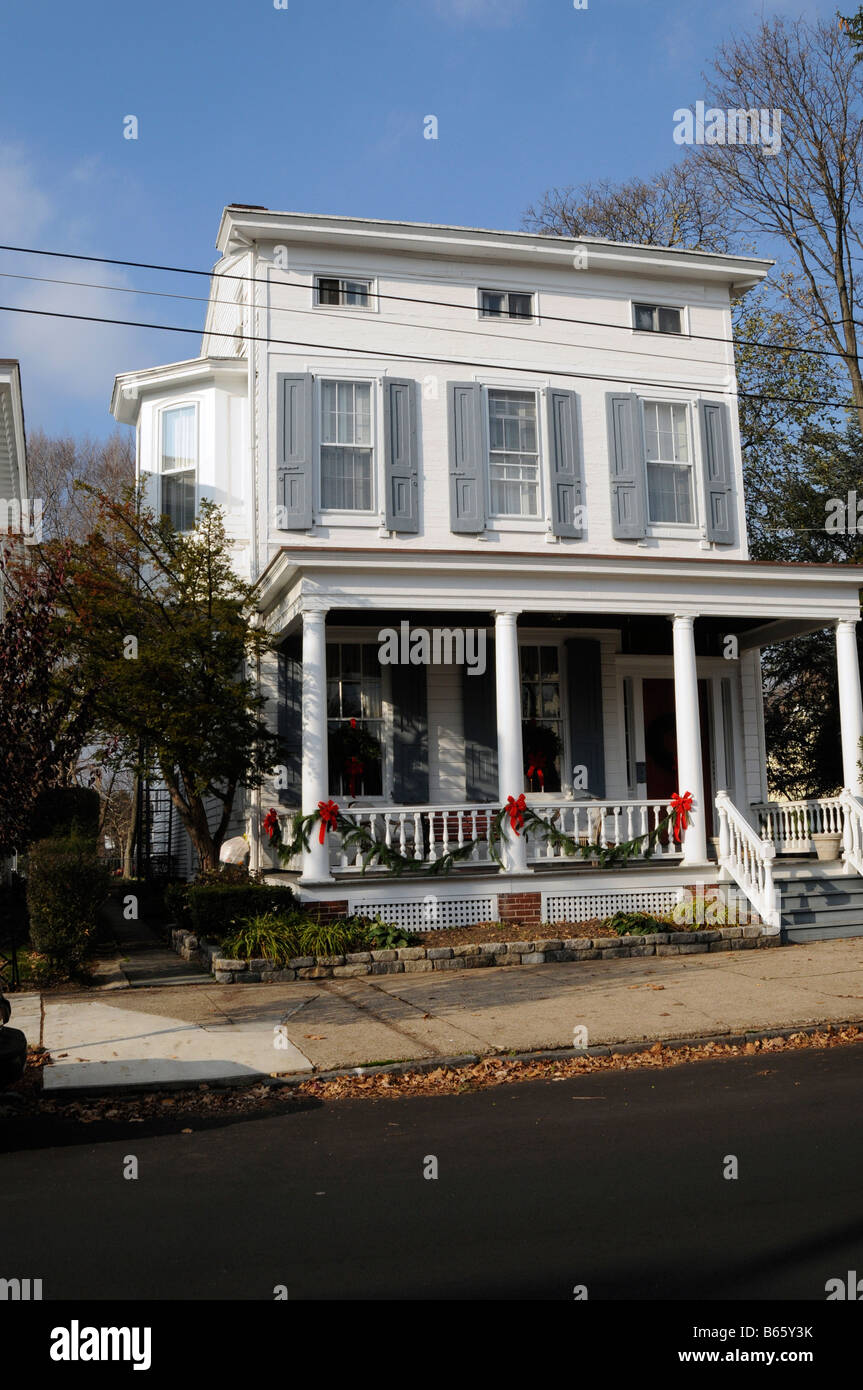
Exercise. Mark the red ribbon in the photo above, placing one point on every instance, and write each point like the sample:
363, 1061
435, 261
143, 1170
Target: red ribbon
538, 762
354, 768
681, 806
271, 822
515, 809
329, 814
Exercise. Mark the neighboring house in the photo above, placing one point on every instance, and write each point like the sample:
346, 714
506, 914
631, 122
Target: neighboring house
18, 516
527, 438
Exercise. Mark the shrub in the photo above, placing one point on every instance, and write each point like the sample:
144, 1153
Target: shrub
13, 910
266, 936
177, 904
635, 924
216, 909
66, 886
66, 812
386, 936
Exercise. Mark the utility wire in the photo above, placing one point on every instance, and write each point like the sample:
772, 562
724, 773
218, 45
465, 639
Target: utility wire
408, 356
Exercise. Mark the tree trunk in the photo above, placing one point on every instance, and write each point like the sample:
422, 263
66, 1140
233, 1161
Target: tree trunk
129, 847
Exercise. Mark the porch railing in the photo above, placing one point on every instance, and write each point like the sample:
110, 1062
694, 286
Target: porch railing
748, 858
427, 833
790, 825
852, 835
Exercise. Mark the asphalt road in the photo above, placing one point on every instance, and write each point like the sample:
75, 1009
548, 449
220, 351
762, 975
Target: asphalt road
613, 1181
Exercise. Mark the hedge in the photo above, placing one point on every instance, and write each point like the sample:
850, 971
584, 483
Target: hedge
215, 909
61, 812
66, 885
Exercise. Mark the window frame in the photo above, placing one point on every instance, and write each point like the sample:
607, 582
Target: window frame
344, 279
669, 529
508, 317
681, 309
341, 514
174, 472
538, 639
509, 520
362, 637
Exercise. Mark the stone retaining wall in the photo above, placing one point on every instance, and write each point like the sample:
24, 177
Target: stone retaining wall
409, 960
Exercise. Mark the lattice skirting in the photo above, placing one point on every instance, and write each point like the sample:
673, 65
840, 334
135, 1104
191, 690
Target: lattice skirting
581, 907
428, 913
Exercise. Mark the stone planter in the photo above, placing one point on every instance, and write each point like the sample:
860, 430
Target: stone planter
827, 846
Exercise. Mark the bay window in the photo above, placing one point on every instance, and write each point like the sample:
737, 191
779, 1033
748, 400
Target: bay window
178, 465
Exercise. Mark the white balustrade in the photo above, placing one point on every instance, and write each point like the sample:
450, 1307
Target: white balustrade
790, 825
852, 832
748, 859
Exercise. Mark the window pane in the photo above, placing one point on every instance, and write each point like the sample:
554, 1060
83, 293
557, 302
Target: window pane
644, 317
351, 657
548, 657
346, 479
178, 499
328, 291
356, 292
529, 662
669, 492
669, 320
352, 706
492, 303
520, 306
178, 438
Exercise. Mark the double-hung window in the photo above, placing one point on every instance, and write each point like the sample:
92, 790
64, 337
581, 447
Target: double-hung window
513, 453
355, 719
347, 446
343, 292
541, 716
669, 462
178, 465
505, 304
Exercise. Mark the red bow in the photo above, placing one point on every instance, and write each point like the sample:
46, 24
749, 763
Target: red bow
538, 762
515, 809
354, 768
271, 822
329, 814
681, 806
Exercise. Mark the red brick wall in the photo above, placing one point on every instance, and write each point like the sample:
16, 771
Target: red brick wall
524, 909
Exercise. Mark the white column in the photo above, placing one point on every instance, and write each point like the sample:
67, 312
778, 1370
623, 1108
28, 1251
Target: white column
850, 704
689, 769
510, 756
316, 860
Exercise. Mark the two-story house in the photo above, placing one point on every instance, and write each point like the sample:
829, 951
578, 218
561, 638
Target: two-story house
490, 487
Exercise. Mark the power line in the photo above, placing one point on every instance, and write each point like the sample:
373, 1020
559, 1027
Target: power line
407, 356
414, 299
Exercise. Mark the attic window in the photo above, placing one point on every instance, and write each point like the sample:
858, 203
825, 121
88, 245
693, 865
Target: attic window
342, 292
505, 304
657, 318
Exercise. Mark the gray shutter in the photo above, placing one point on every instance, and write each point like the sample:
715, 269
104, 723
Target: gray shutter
567, 486
410, 735
400, 454
587, 743
290, 720
467, 456
717, 465
479, 714
294, 452
626, 467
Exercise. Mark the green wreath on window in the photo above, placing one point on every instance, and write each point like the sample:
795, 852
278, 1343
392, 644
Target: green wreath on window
542, 746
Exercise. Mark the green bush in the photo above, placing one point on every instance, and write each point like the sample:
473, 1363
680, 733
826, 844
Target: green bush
635, 924
66, 812
66, 886
217, 909
177, 904
266, 936
13, 910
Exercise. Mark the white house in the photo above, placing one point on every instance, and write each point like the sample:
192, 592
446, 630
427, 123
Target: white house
529, 442
18, 514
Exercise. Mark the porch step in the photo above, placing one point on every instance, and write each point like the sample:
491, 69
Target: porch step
821, 906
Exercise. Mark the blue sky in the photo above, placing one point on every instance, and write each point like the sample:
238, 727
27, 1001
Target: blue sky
318, 107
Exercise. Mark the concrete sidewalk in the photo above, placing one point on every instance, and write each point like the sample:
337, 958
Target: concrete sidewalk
231, 1033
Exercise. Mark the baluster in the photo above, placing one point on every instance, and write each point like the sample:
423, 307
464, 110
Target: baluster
403, 843
418, 836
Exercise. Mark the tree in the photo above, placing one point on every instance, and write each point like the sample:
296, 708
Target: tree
162, 633
56, 465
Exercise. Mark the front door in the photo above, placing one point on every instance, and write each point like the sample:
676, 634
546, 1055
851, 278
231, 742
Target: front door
660, 743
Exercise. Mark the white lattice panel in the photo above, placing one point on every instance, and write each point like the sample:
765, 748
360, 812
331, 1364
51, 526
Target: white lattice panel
430, 913
582, 907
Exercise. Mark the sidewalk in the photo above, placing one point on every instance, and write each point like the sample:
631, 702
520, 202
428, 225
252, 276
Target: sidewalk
231, 1033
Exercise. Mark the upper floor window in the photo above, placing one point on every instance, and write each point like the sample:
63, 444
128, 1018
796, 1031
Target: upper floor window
343, 292
505, 304
178, 465
513, 453
669, 462
658, 318
347, 446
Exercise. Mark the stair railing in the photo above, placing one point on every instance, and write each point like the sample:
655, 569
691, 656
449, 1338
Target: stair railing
748, 859
852, 831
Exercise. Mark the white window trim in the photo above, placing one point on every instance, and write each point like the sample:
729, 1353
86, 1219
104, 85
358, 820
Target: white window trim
670, 530
654, 333
339, 516
173, 472
506, 318
506, 522
373, 306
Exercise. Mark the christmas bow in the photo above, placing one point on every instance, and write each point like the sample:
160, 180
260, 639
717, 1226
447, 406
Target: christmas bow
354, 767
329, 814
271, 822
515, 809
681, 806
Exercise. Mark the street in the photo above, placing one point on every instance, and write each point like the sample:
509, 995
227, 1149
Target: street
610, 1181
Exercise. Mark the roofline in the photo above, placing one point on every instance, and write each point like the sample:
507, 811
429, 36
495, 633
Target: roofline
240, 225
130, 386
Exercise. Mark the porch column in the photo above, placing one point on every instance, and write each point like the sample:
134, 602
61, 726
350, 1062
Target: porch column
850, 705
510, 758
316, 859
689, 769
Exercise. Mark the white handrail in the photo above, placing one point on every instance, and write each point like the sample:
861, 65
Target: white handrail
748, 859
790, 825
852, 831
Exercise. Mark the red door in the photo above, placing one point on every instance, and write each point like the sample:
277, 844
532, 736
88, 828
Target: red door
660, 743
